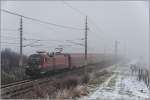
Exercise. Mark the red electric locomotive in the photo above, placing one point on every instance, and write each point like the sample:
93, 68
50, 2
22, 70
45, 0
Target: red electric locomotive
43, 62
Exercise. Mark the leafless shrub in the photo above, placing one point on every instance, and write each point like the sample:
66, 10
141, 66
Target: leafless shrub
38, 91
71, 82
80, 91
85, 78
62, 94
144, 75
10, 69
67, 82
76, 92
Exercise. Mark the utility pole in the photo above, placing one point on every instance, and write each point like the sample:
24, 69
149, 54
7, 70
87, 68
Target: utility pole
21, 43
116, 51
149, 40
86, 30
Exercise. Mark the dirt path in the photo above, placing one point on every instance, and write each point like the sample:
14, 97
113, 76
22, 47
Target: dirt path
122, 85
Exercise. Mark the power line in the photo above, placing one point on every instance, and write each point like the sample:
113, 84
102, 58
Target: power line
60, 41
68, 41
9, 43
47, 40
10, 37
30, 43
40, 21
43, 39
76, 43
58, 45
82, 13
41, 45
75, 9
53, 39
26, 39
4, 29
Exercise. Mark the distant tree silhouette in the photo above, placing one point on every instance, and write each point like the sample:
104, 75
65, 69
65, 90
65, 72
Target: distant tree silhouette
10, 59
10, 66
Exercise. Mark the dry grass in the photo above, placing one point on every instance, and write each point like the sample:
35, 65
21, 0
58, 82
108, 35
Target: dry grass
62, 94
14, 75
71, 87
67, 82
76, 92
65, 88
81, 90
38, 92
72, 84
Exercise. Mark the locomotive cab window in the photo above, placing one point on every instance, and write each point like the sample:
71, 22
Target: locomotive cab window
34, 59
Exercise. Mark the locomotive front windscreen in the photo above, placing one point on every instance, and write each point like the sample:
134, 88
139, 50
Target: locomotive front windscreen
34, 59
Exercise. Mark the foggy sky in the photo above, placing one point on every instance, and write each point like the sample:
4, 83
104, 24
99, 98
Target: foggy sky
125, 21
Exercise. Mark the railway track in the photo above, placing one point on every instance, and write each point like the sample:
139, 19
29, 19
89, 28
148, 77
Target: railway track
13, 90
15, 83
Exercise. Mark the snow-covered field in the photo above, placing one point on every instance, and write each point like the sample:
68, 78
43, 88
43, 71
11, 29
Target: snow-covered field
122, 85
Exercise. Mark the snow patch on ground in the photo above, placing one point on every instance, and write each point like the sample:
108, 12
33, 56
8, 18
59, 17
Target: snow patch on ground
121, 87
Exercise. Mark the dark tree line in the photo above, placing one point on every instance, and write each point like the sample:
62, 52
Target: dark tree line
10, 66
10, 59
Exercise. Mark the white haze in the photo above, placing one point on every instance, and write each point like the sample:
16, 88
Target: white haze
125, 21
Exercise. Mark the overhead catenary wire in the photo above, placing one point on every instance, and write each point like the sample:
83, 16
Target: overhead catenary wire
58, 40
46, 40
59, 45
9, 43
7, 29
75, 9
38, 41
83, 14
40, 21
53, 46
81, 44
10, 37
14, 45
67, 41
44, 22
26, 39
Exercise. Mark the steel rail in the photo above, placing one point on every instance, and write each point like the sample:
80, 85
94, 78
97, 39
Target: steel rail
14, 83
13, 90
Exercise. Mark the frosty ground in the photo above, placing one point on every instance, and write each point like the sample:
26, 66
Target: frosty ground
122, 85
